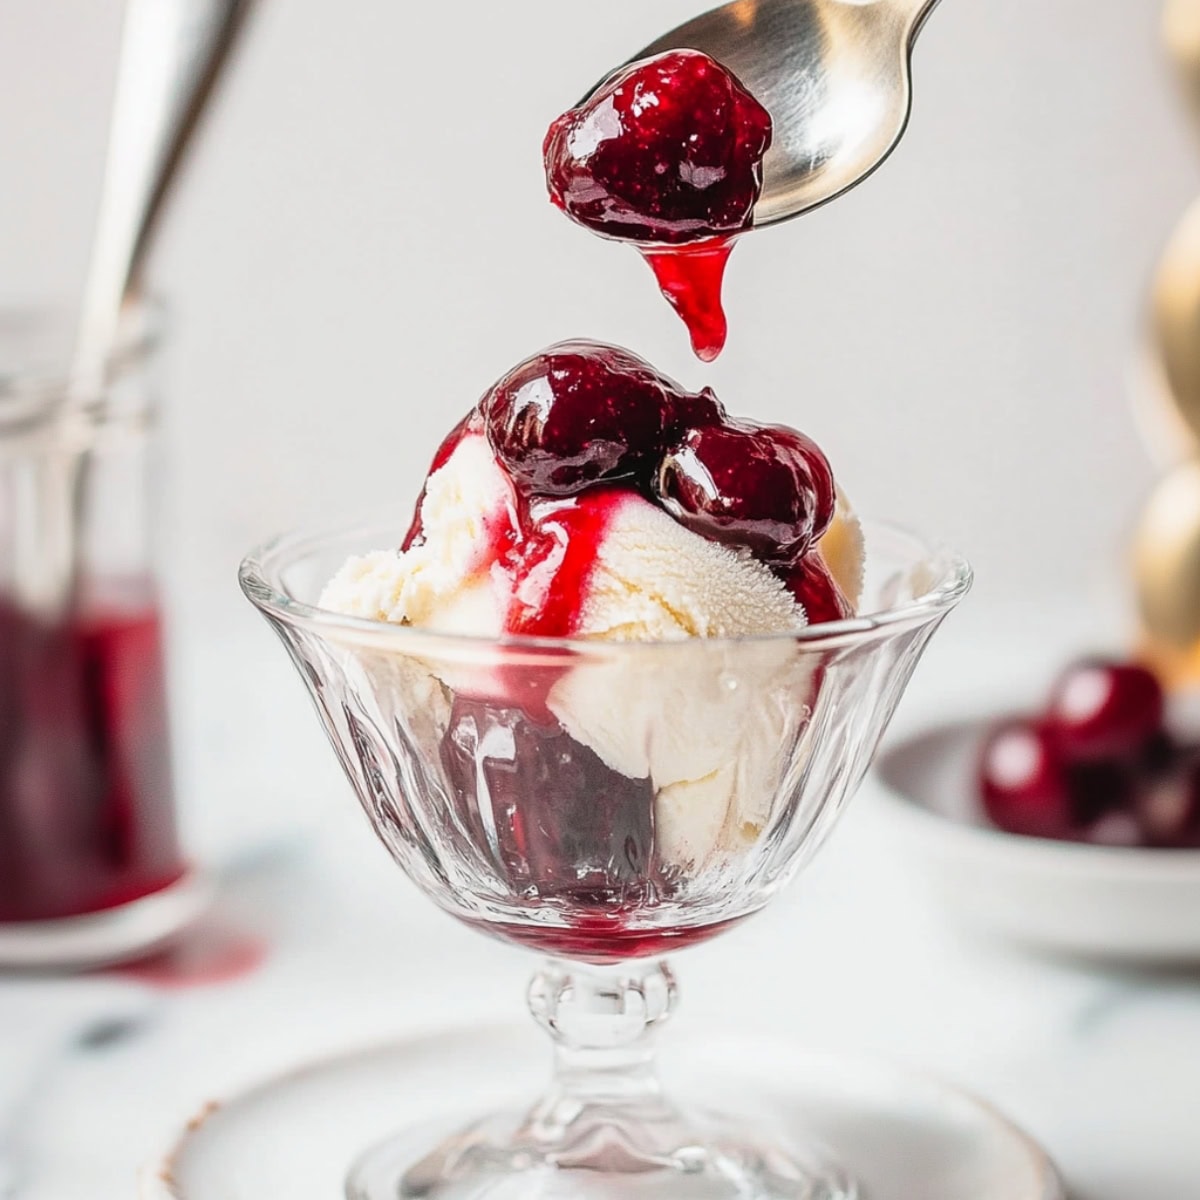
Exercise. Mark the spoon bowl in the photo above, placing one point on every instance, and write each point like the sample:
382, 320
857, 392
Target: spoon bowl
834, 75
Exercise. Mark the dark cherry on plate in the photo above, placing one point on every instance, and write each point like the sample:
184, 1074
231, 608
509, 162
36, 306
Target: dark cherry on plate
1103, 709
666, 153
1024, 782
1096, 766
86, 812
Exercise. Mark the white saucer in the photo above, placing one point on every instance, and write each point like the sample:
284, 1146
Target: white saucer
112, 936
1111, 903
904, 1137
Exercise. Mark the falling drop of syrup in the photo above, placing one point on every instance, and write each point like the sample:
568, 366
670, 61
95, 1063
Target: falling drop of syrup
691, 278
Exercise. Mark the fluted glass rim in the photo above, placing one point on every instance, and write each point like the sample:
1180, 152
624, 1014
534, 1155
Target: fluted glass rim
260, 578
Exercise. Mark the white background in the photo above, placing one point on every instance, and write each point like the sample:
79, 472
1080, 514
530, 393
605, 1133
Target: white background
364, 243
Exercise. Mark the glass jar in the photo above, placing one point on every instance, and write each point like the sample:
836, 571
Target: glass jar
87, 814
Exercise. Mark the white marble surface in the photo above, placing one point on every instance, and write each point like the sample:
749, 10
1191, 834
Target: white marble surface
96, 1072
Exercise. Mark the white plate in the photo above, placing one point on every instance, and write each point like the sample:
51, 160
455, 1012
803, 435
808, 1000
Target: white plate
112, 936
904, 1137
1100, 902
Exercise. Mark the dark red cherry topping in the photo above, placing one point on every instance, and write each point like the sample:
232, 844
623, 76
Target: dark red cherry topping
694, 411
764, 487
667, 153
576, 414
1105, 709
582, 413
668, 150
1024, 783
816, 591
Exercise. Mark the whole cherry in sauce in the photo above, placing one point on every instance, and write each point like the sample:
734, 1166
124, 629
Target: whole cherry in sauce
763, 487
577, 414
666, 153
814, 588
583, 413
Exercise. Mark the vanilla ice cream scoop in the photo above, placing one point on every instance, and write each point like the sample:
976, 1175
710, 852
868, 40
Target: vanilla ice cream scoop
648, 579
695, 727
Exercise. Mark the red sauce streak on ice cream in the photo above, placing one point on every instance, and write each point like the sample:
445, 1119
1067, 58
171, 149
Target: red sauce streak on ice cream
552, 564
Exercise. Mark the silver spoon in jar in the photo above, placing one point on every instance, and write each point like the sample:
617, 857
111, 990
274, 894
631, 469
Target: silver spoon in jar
835, 76
172, 58
173, 54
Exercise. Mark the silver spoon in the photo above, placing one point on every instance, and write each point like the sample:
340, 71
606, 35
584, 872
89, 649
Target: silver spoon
173, 52
834, 75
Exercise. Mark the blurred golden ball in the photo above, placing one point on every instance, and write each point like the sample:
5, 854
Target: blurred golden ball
1181, 32
1166, 561
1176, 329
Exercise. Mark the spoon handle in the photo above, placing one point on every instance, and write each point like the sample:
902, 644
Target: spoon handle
145, 78
214, 48
172, 54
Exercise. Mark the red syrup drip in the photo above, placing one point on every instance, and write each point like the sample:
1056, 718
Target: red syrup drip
603, 939
691, 279
549, 567
208, 956
552, 563
86, 809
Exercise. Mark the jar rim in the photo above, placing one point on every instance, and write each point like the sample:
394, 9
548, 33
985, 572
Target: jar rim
37, 380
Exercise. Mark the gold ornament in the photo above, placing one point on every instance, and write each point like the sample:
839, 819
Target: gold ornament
1181, 32
1166, 548
1175, 311
1167, 560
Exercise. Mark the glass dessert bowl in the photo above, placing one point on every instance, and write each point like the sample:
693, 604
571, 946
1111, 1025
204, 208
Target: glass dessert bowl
603, 803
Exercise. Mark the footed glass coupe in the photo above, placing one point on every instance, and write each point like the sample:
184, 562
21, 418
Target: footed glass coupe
603, 803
